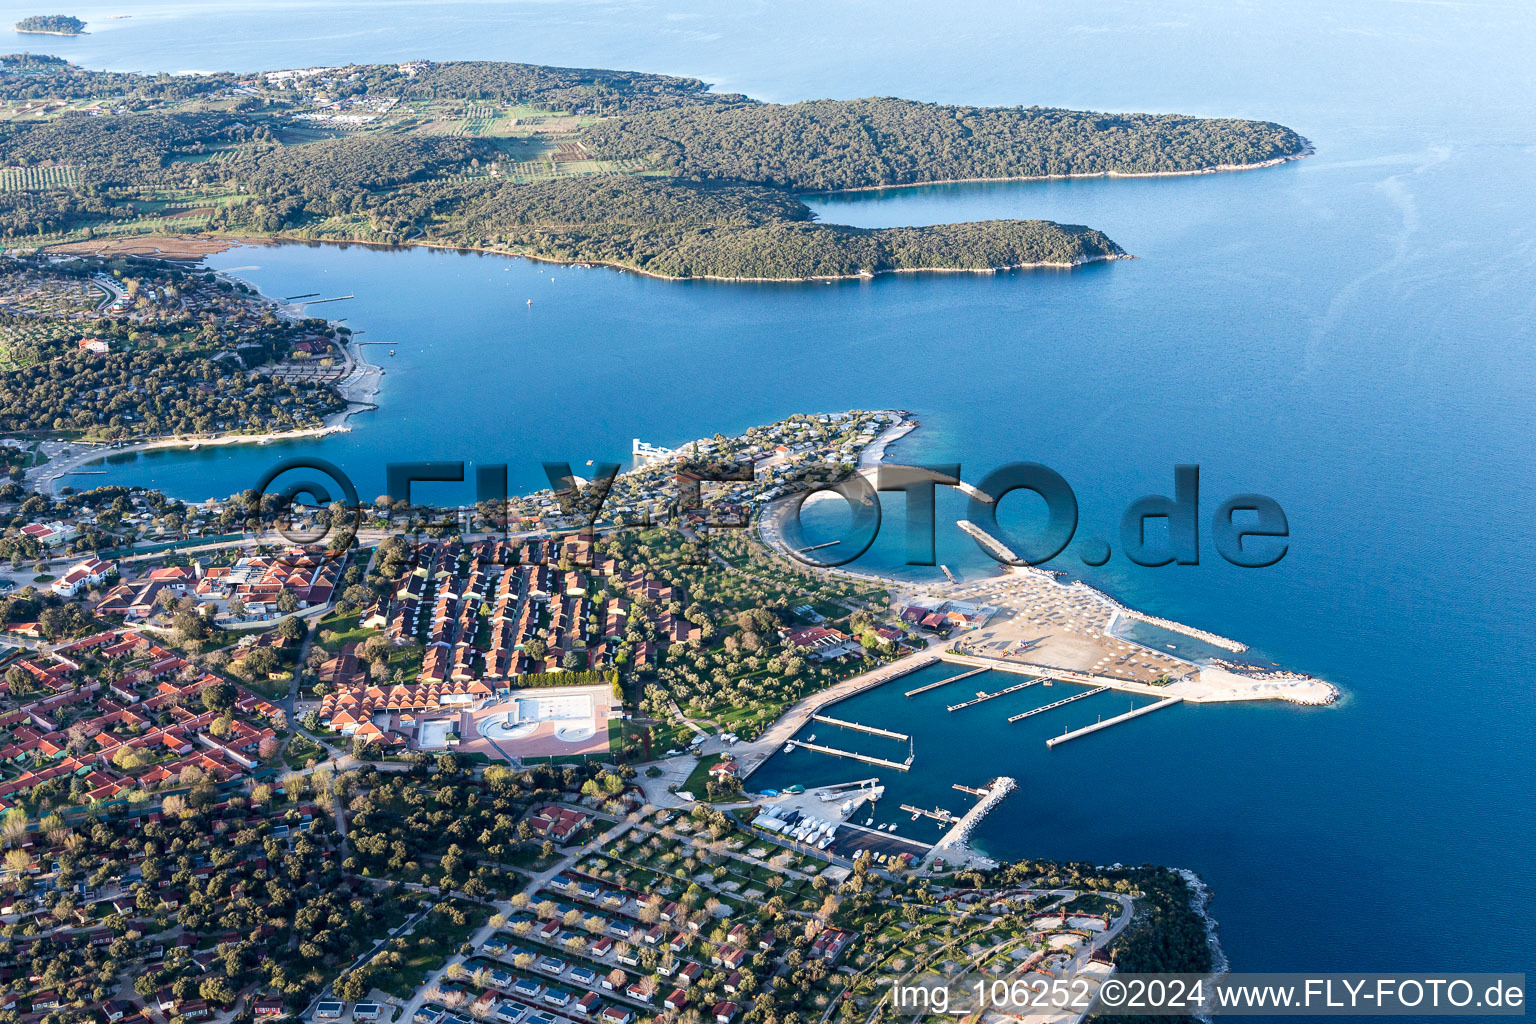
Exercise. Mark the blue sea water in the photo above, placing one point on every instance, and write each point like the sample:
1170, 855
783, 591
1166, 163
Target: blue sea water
1350, 335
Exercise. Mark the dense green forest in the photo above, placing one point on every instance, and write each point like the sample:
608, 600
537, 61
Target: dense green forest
646, 171
150, 393
577, 89
678, 228
57, 24
832, 144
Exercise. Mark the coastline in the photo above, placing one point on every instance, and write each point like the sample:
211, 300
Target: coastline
1307, 150
1200, 903
47, 477
628, 269
197, 247
359, 389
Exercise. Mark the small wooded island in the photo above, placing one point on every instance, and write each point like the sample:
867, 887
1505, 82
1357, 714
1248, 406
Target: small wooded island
648, 172
51, 24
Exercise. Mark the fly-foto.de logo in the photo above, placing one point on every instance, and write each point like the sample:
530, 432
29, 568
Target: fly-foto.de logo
308, 502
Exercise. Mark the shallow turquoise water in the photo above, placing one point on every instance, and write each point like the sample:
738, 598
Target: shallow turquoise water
1350, 335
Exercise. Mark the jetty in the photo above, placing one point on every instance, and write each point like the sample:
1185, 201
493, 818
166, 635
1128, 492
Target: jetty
969, 789
1106, 723
961, 830
944, 682
1015, 688
972, 491
991, 543
884, 762
937, 814
873, 730
1059, 703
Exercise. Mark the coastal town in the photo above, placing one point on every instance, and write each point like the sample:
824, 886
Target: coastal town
504, 761
599, 686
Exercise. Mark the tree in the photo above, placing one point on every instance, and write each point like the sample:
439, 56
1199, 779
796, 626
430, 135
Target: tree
191, 627
352, 986
19, 680
291, 628
219, 697
129, 760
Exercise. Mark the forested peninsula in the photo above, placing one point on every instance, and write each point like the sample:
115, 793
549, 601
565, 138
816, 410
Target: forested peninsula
649, 172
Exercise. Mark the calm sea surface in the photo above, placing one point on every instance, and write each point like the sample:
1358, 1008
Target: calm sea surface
1351, 335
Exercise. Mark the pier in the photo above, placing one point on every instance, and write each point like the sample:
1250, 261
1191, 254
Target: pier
944, 682
1015, 688
843, 787
871, 729
937, 814
991, 543
1106, 723
969, 789
961, 830
1059, 703
884, 762
972, 491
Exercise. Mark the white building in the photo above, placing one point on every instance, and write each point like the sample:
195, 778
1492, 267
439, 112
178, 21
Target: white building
82, 576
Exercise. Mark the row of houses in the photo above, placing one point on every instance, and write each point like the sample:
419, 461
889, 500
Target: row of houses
152, 684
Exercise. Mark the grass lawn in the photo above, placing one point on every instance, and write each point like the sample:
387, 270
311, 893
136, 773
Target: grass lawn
699, 778
300, 749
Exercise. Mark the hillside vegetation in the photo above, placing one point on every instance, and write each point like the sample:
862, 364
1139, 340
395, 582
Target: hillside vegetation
646, 171
831, 144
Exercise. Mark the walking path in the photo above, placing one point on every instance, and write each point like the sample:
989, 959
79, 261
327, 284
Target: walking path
751, 754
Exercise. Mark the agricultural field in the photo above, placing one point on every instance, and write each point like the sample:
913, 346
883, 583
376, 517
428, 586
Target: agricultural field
35, 179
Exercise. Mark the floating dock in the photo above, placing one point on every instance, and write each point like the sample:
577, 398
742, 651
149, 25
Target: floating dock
937, 814
1096, 726
1015, 688
1059, 703
871, 729
945, 682
884, 762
